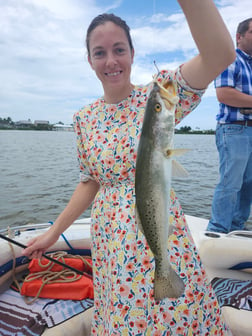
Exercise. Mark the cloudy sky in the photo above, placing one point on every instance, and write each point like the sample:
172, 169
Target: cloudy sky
43, 67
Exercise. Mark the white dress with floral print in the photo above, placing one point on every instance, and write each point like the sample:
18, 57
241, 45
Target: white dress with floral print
123, 265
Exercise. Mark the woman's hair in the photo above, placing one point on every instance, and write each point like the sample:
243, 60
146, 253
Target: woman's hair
102, 19
243, 26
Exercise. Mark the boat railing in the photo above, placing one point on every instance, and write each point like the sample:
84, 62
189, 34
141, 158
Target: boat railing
16, 230
241, 233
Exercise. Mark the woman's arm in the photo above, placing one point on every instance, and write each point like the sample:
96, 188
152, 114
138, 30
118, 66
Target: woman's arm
81, 199
216, 49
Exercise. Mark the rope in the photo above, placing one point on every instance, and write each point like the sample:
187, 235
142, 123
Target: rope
48, 276
13, 273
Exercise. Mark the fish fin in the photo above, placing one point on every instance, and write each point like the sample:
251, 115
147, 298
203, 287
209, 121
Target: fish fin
138, 221
178, 170
168, 286
170, 152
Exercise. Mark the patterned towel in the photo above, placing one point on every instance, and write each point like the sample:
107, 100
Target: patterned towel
235, 293
18, 318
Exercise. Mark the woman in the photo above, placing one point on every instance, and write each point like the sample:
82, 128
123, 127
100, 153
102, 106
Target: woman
108, 132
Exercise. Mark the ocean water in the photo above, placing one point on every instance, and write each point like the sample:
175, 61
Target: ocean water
39, 172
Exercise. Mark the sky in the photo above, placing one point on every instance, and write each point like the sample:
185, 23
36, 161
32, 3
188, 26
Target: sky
43, 61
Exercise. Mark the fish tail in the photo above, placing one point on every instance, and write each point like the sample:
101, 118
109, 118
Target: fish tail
167, 284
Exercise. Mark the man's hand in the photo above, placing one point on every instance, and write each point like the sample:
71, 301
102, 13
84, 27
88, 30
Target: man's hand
246, 110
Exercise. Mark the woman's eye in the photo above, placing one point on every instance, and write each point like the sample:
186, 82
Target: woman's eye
120, 51
99, 54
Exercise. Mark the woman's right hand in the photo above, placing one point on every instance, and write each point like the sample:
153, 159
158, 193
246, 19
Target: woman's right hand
38, 245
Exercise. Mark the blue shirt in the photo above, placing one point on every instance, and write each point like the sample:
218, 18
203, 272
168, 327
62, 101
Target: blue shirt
239, 76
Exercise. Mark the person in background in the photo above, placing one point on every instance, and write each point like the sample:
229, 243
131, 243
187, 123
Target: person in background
232, 198
108, 132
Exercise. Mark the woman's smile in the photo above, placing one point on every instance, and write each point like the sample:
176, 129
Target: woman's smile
113, 74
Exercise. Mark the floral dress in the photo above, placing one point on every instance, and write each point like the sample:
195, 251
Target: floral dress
123, 265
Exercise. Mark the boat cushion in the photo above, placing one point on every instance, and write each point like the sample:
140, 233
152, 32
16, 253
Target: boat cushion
232, 292
49, 280
77, 290
19, 318
78, 325
82, 263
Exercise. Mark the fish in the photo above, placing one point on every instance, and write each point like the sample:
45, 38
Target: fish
154, 165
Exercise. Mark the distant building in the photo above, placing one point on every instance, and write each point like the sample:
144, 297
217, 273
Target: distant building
65, 128
41, 122
24, 123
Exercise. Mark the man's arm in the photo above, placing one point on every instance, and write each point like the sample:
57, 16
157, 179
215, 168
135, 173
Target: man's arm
232, 97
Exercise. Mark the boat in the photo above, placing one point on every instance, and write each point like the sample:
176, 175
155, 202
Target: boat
73, 318
224, 256
227, 258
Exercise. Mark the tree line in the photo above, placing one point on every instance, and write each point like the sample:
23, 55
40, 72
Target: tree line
8, 123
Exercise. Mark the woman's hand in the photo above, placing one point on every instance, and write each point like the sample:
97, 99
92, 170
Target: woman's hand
38, 245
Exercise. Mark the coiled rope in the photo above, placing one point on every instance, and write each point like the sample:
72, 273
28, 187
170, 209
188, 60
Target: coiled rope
48, 276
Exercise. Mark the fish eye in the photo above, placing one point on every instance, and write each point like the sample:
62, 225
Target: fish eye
158, 107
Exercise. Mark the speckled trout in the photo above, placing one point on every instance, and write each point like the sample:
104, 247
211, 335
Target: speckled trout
154, 165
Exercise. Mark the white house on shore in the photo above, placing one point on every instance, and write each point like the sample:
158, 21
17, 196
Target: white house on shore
65, 128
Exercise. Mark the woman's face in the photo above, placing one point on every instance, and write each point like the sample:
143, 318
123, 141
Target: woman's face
111, 58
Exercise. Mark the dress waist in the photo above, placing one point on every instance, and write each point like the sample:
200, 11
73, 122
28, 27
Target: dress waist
118, 185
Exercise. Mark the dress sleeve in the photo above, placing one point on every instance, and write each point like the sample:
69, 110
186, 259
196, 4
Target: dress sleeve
189, 98
79, 128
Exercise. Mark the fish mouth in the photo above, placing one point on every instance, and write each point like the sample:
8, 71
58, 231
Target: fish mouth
168, 92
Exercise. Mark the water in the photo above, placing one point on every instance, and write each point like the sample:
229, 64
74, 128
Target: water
195, 192
39, 172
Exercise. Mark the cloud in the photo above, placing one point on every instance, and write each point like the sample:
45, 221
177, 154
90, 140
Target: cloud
43, 66
42, 50
168, 39
62, 9
234, 12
